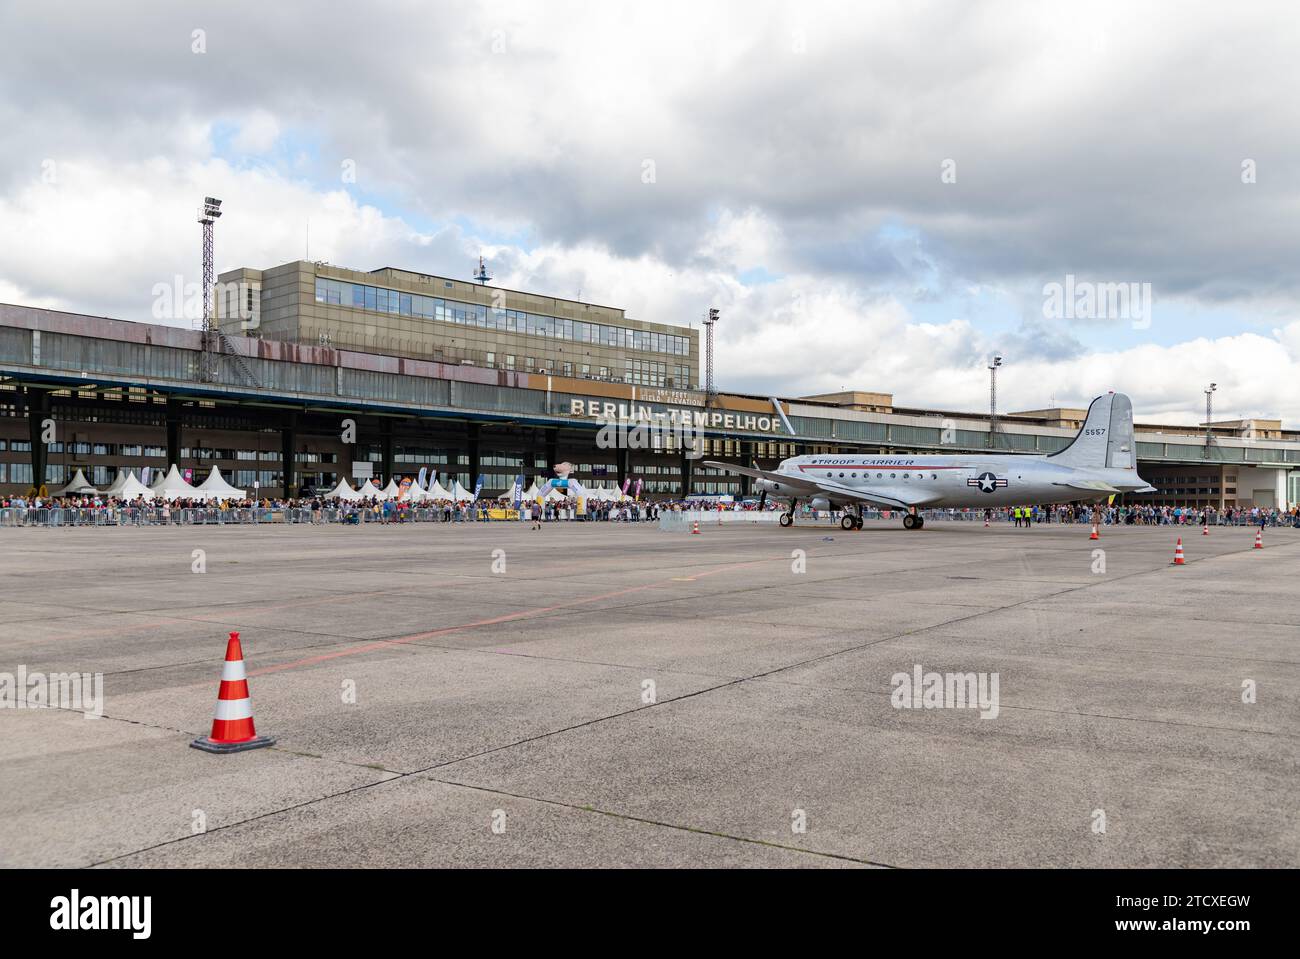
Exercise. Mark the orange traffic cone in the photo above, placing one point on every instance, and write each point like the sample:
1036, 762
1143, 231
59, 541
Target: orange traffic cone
695, 527
1178, 553
986, 524
1094, 534
232, 724
1205, 530
1259, 540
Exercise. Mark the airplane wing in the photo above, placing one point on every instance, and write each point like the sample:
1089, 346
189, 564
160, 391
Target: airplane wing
802, 486
1091, 486
795, 484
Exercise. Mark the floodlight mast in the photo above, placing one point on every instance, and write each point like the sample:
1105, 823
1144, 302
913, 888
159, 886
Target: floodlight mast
993, 401
713, 318
208, 214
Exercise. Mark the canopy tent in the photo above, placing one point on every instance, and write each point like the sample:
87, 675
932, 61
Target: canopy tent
532, 493
436, 491
391, 490
214, 487
369, 490
417, 493
118, 483
460, 493
77, 486
172, 486
344, 492
133, 489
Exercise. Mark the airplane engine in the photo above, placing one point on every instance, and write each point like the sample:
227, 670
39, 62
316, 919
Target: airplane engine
819, 502
768, 486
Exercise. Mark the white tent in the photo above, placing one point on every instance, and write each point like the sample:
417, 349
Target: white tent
459, 493
369, 490
118, 483
344, 492
133, 489
531, 494
214, 487
391, 490
172, 486
436, 491
77, 486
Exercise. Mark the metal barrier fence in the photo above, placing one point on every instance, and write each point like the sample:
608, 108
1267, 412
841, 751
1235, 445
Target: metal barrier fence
669, 520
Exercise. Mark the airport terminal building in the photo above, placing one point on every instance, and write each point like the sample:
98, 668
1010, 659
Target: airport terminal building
315, 373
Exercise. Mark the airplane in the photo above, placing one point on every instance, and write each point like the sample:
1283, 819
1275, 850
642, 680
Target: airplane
1099, 462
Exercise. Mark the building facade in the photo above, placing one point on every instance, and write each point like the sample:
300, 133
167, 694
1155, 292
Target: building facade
399, 313
277, 414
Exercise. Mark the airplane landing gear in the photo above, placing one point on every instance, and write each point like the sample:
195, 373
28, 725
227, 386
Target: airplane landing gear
848, 521
913, 521
787, 519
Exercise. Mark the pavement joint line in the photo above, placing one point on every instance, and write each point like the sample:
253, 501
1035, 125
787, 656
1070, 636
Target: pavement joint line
628, 817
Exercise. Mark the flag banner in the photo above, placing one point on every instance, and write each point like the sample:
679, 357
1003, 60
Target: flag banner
403, 488
478, 488
424, 472
627, 482
636, 494
518, 491
145, 474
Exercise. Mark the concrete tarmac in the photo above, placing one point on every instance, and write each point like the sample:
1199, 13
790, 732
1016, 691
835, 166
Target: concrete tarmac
613, 695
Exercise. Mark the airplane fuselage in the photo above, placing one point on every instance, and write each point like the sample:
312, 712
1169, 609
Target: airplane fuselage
959, 481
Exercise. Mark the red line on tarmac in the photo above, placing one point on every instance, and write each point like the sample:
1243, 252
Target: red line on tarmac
492, 621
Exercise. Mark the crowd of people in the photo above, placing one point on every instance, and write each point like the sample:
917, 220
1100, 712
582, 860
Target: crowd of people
319, 510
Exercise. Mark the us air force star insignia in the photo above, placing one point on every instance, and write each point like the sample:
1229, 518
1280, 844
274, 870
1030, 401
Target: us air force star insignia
987, 482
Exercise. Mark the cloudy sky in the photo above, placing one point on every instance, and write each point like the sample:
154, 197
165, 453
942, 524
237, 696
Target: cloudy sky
876, 195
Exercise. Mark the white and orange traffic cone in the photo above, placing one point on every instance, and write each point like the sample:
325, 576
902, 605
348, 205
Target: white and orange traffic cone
232, 723
986, 524
1205, 530
1259, 540
1178, 553
695, 527
1094, 534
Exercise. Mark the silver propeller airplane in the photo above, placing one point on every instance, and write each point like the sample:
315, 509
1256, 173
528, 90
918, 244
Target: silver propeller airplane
1099, 462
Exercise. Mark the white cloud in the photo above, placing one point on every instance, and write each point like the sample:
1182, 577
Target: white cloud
805, 143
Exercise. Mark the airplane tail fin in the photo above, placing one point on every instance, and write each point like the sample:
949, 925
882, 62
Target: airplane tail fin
1106, 439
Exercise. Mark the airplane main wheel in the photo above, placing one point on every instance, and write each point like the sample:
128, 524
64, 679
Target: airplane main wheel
920, 521
848, 522
909, 521
857, 522
786, 519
